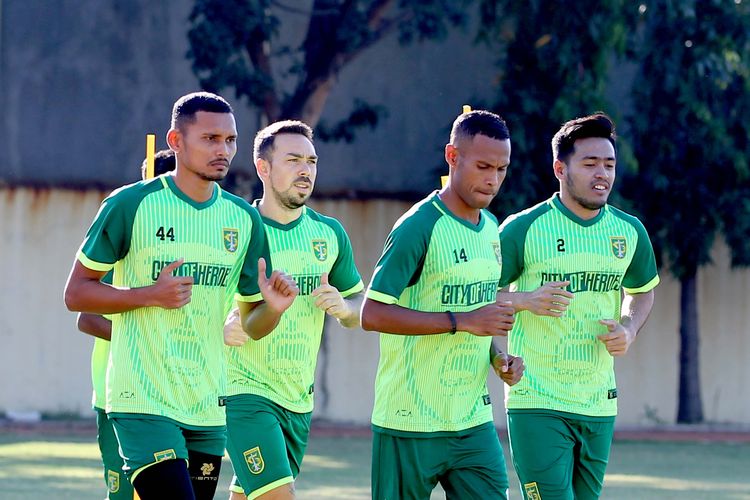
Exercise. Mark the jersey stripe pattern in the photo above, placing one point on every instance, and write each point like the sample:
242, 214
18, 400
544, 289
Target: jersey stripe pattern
567, 367
170, 362
281, 365
434, 261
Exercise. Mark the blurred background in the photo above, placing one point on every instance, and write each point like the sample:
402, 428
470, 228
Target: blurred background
83, 81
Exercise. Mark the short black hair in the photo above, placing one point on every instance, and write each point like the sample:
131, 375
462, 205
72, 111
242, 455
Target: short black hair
185, 108
164, 161
594, 125
263, 143
479, 122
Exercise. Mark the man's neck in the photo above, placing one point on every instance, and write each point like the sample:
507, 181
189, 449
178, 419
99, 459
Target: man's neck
458, 207
576, 208
195, 188
271, 209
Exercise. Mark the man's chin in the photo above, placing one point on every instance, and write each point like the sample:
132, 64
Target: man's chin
214, 178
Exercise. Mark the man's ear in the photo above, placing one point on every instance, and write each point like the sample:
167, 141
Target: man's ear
263, 168
559, 167
174, 140
451, 154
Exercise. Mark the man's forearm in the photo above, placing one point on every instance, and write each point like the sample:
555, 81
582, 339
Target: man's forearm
95, 325
635, 310
92, 296
353, 304
517, 299
259, 321
391, 318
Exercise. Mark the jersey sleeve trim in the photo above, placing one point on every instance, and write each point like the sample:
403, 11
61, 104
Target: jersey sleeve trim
645, 288
355, 289
380, 297
256, 297
513, 233
92, 264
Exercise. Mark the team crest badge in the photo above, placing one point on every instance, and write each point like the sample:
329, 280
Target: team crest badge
619, 246
320, 249
160, 456
532, 491
113, 481
498, 254
231, 239
254, 460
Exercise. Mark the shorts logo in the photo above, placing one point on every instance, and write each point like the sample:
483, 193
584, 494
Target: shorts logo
113, 481
532, 491
231, 239
498, 254
207, 469
612, 394
619, 246
160, 456
254, 460
320, 249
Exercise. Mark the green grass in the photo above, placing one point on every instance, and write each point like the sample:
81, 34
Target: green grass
39, 466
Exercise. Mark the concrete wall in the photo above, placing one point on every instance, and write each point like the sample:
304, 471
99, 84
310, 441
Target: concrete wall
44, 360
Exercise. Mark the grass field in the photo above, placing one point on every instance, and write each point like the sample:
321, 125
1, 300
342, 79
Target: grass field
36, 465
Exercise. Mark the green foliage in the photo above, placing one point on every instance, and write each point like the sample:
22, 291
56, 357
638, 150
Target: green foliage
363, 115
221, 31
555, 58
237, 44
691, 129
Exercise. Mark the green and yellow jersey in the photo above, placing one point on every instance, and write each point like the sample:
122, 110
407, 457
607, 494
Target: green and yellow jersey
434, 261
567, 367
281, 365
99, 360
170, 362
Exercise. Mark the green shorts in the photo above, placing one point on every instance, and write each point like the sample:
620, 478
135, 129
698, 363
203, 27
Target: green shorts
559, 455
149, 439
266, 443
118, 486
467, 464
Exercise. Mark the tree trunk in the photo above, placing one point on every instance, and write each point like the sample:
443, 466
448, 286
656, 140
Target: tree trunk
690, 405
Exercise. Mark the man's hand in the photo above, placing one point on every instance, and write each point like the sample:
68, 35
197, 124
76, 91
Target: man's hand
490, 320
550, 299
234, 335
171, 292
328, 299
508, 368
618, 338
278, 291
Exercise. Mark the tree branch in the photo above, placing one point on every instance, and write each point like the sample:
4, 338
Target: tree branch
258, 50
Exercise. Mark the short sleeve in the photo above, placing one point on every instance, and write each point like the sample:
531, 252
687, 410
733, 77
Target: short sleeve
344, 274
400, 265
642, 275
247, 288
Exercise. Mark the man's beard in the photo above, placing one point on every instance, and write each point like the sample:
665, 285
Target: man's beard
214, 178
588, 205
289, 201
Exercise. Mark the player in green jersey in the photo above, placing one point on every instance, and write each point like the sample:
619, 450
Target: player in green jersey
433, 298
101, 329
582, 275
270, 396
179, 247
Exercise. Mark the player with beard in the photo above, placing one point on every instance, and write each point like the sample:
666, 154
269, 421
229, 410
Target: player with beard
597, 273
270, 397
180, 248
